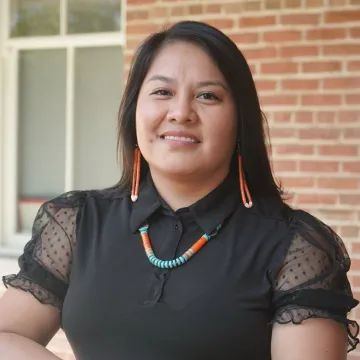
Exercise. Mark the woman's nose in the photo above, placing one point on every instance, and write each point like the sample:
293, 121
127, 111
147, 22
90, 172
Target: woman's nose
181, 111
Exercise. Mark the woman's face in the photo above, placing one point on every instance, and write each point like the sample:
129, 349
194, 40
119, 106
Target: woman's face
186, 120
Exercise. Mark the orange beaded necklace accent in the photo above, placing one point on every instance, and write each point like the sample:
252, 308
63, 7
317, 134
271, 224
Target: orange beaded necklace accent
181, 259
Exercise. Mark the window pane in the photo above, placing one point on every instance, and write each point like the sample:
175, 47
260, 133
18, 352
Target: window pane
34, 17
89, 16
41, 140
98, 84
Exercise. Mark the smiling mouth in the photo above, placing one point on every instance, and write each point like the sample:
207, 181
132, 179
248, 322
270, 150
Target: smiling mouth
179, 138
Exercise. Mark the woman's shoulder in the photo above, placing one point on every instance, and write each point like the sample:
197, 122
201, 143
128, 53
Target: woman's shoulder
77, 198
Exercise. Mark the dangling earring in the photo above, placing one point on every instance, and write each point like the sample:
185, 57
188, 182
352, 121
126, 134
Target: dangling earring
136, 175
244, 190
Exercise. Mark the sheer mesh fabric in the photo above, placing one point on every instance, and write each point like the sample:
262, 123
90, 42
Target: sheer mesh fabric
312, 281
46, 262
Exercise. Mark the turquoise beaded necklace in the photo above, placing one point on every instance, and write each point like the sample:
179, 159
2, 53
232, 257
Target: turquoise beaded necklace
181, 259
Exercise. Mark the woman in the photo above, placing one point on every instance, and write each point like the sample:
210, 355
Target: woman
194, 254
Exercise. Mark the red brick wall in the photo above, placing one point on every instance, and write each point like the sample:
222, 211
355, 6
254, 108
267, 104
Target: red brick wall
305, 58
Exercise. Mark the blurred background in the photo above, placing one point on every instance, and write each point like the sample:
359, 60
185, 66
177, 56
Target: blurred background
63, 64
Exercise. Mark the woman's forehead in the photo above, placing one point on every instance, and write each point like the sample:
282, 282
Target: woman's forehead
182, 60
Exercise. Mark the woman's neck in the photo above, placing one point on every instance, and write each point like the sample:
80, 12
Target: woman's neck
182, 192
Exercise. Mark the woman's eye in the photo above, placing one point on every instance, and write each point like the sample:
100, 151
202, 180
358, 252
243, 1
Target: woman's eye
208, 96
161, 92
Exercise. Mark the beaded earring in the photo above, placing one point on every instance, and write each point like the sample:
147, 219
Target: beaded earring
136, 175
244, 190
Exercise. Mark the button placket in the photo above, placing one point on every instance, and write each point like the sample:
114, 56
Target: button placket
159, 276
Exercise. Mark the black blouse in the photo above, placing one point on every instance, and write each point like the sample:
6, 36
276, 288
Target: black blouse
267, 264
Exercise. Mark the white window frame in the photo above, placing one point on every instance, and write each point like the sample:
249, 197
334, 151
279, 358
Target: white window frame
12, 242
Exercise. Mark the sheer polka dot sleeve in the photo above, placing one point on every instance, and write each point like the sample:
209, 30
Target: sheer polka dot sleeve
312, 280
45, 264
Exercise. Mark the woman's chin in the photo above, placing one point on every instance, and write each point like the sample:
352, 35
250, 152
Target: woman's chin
180, 171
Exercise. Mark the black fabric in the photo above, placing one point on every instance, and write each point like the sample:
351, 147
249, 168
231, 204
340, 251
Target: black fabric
267, 264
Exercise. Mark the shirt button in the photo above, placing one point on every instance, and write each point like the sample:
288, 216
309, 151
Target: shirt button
176, 227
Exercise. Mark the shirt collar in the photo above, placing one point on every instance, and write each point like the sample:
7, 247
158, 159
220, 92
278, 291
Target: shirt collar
208, 212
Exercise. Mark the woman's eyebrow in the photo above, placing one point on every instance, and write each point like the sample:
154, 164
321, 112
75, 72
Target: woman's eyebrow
170, 80
162, 78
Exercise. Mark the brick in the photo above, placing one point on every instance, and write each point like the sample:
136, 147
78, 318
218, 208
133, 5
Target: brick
356, 246
319, 166
352, 199
266, 85
282, 116
304, 117
158, 12
279, 67
195, 9
314, 3
325, 34
353, 133
297, 51
293, 149
132, 44
321, 66
341, 49
297, 182
318, 199
241, 7
300, 84
356, 283
327, 117
257, 21
321, 99
292, 4
352, 99
272, 4
247, 38
353, 66
338, 150
337, 3
348, 116
142, 29
342, 16
179, 11
284, 133
142, 2
260, 53
337, 215
212, 8
224, 23
284, 165
300, 19
355, 32
279, 100
128, 58
282, 36
137, 15
350, 231
319, 134
338, 183
352, 82
253, 68
351, 167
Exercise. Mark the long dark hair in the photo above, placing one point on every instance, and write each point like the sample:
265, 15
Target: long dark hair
252, 124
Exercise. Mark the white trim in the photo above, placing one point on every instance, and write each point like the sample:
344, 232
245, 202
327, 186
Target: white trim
123, 19
69, 120
48, 42
63, 17
5, 20
10, 143
2, 103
